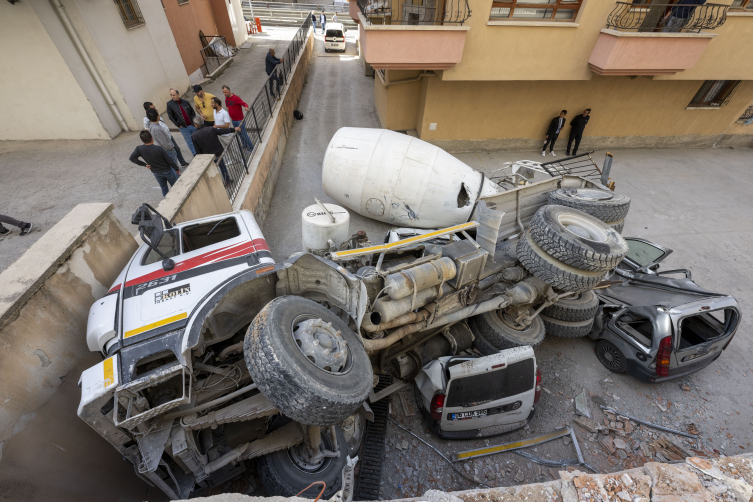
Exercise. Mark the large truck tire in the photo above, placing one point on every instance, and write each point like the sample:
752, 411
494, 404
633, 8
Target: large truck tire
602, 204
566, 329
483, 346
618, 226
284, 473
313, 383
502, 336
577, 239
574, 308
559, 275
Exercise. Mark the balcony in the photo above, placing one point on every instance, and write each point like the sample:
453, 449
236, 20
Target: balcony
655, 39
412, 34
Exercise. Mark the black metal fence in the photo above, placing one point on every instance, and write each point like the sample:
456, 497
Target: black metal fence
242, 146
666, 17
432, 12
336, 7
215, 52
747, 114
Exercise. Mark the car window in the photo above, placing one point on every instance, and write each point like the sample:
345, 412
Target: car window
206, 234
639, 328
474, 390
334, 33
643, 253
168, 245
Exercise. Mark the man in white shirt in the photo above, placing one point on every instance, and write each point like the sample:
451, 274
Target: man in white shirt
148, 105
221, 121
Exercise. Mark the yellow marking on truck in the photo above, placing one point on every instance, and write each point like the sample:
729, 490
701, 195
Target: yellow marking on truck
109, 378
511, 446
404, 242
156, 324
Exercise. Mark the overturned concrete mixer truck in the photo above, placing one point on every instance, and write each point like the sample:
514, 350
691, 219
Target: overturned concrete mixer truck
215, 355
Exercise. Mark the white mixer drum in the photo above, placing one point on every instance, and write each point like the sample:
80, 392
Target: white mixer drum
318, 227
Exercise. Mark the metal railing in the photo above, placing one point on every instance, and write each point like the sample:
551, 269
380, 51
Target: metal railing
234, 161
666, 17
432, 12
747, 114
337, 7
215, 53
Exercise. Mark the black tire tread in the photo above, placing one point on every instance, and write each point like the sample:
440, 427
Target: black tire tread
618, 226
579, 308
605, 210
482, 345
567, 329
501, 336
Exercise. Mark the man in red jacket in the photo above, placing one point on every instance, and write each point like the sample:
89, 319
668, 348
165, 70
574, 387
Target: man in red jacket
235, 105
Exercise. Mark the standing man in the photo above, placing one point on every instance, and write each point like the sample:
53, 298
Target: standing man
181, 160
323, 20
678, 15
313, 21
157, 160
576, 130
555, 126
160, 137
181, 114
334, 17
271, 61
24, 226
235, 107
206, 140
203, 103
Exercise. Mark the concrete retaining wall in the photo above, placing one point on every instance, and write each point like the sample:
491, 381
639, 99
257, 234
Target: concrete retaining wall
198, 193
46, 451
257, 189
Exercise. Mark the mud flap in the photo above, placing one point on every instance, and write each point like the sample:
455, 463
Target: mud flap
316, 278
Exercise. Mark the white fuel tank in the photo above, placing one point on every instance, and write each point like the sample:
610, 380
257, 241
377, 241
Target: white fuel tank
318, 227
399, 179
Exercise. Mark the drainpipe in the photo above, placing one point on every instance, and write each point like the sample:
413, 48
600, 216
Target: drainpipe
387, 83
88, 62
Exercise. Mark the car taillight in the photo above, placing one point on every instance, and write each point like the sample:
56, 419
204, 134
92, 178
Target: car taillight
662, 358
437, 406
537, 395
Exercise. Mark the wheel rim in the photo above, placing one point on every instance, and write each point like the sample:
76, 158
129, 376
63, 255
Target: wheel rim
609, 356
300, 458
321, 344
588, 194
582, 227
510, 322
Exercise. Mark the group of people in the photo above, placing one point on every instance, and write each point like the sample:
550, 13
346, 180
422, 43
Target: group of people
322, 21
577, 125
202, 130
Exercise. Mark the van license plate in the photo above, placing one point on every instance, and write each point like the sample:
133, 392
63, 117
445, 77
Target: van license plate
467, 414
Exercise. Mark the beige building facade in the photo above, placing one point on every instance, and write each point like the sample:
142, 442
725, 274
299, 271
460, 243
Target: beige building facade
648, 85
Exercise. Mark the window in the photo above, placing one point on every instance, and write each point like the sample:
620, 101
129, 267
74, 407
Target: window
182, 2
130, 13
206, 234
168, 245
474, 390
714, 93
744, 5
536, 10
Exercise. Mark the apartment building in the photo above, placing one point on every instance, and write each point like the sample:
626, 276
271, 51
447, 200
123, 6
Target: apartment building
491, 74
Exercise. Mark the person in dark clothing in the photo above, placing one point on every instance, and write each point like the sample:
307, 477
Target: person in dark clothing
555, 126
23, 225
271, 61
679, 15
576, 131
147, 106
156, 159
205, 140
313, 21
181, 114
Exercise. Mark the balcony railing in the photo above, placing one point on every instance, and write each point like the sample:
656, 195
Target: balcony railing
415, 12
666, 18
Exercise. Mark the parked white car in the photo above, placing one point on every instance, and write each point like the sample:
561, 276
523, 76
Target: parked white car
334, 39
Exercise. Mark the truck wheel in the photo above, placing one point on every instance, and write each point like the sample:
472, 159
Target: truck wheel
611, 357
579, 307
557, 274
566, 329
617, 225
482, 345
285, 473
602, 204
307, 361
577, 239
498, 331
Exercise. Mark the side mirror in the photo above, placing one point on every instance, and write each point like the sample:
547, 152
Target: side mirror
168, 264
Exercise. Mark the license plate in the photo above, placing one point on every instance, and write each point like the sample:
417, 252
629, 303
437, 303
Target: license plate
467, 414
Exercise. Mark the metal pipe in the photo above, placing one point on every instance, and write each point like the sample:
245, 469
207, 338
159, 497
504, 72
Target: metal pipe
399, 333
408, 318
215, 402
386, 309
404, 283
88, 62
228, 350
226, 458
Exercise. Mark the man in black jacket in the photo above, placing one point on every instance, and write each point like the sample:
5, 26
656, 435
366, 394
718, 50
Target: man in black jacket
576, 131
271, 62
181, 114
555, 126
205, 140
156, 159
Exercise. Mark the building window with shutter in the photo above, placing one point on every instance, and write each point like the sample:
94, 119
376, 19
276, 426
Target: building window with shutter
714, 94
535, 10
130, 13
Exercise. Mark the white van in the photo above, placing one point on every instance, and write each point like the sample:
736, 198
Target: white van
466, 397
334, 39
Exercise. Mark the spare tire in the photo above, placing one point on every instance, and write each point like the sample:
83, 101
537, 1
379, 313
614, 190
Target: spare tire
313, 383
493, 329
567, 329
577, 239
482, 345
617, 225
559, 275
602, 204
574, 308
